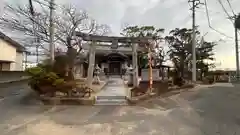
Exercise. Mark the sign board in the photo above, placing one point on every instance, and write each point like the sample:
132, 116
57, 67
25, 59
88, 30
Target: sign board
155, 75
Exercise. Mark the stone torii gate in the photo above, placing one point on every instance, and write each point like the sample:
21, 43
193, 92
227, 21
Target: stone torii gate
114, 40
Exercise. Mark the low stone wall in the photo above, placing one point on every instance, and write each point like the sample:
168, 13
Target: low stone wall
135, 100
67, 100
6, 76
158, 86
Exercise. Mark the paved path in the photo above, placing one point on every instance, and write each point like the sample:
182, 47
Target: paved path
113, 93
202, 111
114, 87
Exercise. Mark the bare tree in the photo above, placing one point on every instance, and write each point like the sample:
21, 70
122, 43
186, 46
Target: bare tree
67, 20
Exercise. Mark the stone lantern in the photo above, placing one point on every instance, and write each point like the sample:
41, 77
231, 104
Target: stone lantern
97, 72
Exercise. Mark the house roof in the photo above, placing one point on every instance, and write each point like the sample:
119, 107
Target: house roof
19, 47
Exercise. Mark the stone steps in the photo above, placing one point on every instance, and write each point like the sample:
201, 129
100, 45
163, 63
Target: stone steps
111, 97
111, 100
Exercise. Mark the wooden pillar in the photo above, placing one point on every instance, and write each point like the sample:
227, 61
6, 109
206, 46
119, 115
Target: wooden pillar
168, 72
163, 72
150, 69
91, 64
135, 65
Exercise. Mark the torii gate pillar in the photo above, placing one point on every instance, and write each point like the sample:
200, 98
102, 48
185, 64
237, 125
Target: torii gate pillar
135, 65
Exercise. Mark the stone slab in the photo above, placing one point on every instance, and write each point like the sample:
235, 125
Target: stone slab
155, 75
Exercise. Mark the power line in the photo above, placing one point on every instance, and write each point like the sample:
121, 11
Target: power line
233, 19
46, 3
229, 17
224, 9
209, 23
234, 15
230, 5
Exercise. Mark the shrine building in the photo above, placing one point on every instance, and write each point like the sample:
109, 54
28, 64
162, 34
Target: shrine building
112, 60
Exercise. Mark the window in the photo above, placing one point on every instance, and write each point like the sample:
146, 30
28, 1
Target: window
0, 66
5, 66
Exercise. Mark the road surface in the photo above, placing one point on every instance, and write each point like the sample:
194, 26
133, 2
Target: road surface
201, 111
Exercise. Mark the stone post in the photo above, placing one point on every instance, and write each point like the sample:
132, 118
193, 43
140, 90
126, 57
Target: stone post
91, 64
135, 65
81, 70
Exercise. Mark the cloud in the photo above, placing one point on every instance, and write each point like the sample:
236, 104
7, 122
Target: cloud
167, 14
1, 7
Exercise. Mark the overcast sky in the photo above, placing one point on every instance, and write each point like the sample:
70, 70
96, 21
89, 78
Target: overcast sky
167, 14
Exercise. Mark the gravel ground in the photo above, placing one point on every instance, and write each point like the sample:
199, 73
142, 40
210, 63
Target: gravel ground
201, 111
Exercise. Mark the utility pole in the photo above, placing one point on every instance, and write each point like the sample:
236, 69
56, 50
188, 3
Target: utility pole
234, 19
236, 48
34, 20
51, 31
195, 4
36, 39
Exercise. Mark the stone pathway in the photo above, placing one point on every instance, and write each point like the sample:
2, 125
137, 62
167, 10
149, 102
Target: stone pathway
113, 92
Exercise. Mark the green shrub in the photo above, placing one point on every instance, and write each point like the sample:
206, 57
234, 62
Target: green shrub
47, 78
41, 78
34, 71
58, 82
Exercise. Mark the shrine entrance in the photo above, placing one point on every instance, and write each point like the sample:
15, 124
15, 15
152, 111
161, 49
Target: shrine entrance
134, 42
114, 68
115, 63
114, 92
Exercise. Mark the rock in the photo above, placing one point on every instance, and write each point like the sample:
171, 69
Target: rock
59, 93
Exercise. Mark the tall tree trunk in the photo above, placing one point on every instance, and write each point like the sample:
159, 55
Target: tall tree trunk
71, 53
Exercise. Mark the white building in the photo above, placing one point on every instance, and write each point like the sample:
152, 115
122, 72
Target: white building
11, 54
29, 65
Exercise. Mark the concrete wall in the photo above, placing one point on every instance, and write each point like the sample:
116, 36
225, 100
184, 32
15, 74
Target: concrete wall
18, 65
8, 52
11, 75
